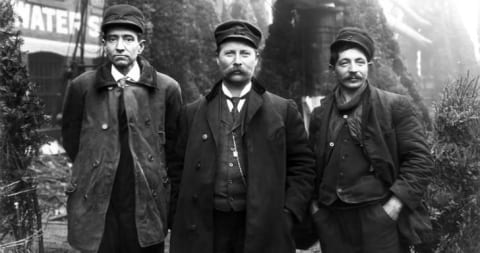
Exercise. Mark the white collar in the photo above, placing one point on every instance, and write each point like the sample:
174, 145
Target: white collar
245, 90
133, 74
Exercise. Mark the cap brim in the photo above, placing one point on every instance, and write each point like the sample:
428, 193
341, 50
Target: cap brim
234, 37
124, 23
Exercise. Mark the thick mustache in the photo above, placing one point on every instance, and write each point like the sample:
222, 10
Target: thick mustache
236, 70
353, 76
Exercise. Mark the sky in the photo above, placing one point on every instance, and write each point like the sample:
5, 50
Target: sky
469, 10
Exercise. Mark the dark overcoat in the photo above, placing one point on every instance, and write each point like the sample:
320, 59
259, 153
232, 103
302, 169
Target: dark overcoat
280, 173
90, 131
395, 144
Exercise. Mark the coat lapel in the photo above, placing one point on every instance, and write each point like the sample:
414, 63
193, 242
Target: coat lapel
213, 119
324, 117
254, 102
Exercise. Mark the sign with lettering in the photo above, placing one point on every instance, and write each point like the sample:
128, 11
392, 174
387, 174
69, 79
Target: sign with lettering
58, 21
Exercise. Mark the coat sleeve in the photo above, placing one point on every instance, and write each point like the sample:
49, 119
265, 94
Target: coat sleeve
300, 164
172, 113
72, 115
415, 159
175, 169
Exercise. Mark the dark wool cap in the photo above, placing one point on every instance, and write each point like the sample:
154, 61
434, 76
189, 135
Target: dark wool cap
356, 36
238, 30
123, 15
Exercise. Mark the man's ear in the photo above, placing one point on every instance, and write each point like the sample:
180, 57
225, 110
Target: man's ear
142, 46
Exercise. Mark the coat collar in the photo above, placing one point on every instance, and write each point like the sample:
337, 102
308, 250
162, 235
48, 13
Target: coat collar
148, 75
254, 102
256, 86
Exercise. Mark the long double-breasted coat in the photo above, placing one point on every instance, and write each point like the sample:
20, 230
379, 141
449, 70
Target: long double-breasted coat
90, 131
279, 172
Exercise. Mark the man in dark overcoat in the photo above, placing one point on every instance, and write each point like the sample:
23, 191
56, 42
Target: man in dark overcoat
119, 128
373, 161
245, 171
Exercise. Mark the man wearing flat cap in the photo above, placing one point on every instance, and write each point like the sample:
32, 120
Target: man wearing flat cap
244, 171
373, 162
119, 129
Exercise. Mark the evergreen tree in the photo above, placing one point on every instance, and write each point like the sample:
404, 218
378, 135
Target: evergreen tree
20, 118
454, 195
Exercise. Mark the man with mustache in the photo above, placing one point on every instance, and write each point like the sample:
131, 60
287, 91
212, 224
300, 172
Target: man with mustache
119, 129
244, 172
373, 162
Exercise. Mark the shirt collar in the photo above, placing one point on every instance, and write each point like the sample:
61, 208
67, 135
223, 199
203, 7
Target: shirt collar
132, 75
245, 90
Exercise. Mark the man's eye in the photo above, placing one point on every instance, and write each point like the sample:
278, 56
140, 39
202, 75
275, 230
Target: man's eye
129, 39
111, 39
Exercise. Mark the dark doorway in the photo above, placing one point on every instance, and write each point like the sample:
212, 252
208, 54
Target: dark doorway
48, 71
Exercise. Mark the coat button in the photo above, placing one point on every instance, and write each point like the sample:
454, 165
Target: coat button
147, 122
150, 157
371, 169
95, 164
154, 194
331, 144
104, 126
339, 190
204, 137
110, 87
193, 227
345, 116
198, 166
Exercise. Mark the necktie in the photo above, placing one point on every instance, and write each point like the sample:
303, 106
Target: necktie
234, 112
122, 82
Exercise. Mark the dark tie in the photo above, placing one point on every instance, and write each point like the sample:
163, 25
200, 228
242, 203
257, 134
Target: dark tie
122, 82
234, 112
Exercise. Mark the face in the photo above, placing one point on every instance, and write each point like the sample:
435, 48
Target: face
237, 62
351, 69
122, 46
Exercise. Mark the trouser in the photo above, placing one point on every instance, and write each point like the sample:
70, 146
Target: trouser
366, 229
229, 232
120, 235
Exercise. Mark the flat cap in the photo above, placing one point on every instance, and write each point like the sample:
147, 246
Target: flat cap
123, 15
238, 30
356, 36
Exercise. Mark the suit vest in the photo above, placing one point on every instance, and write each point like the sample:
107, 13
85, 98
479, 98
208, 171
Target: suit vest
230, 178
348, 177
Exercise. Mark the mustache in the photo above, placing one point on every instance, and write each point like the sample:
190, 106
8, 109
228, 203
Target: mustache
236, 70
353, 76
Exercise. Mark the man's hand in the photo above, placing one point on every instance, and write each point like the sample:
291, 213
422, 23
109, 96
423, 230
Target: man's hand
314, 207
393, 207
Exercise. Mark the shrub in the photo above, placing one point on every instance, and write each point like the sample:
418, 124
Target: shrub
454, 194
20, 116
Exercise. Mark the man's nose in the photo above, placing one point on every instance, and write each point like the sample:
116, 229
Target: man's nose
237, 60
120, 45
354, 67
